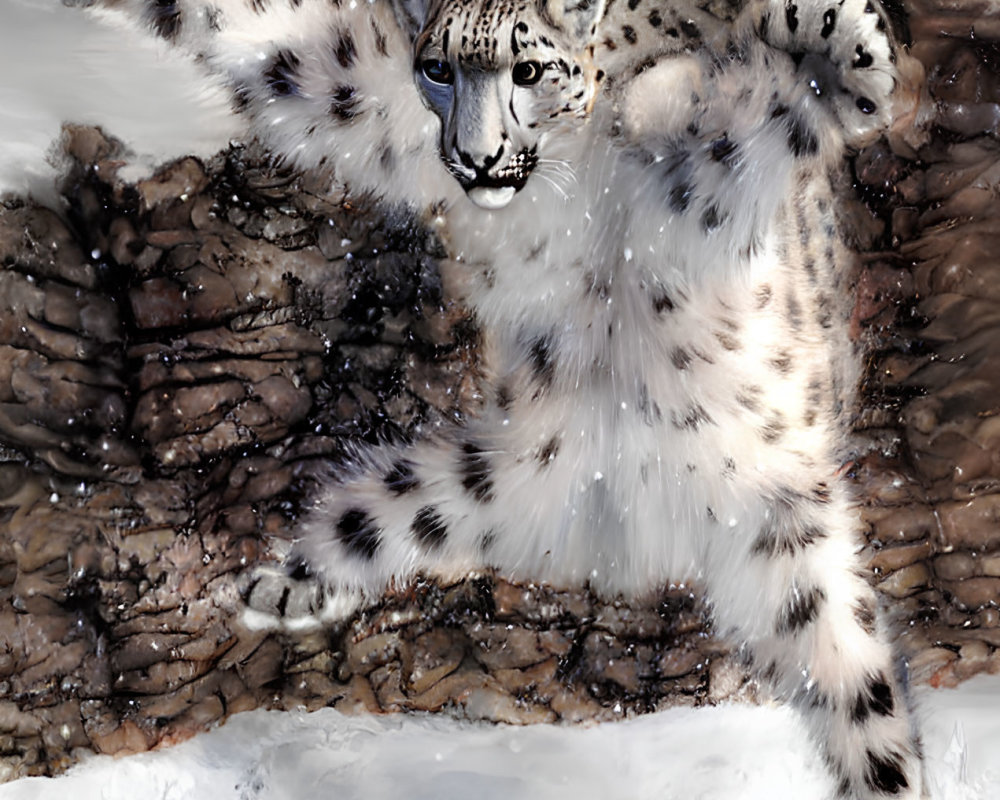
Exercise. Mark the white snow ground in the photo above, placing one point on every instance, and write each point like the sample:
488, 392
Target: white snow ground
732, 752
61, 64
58, 64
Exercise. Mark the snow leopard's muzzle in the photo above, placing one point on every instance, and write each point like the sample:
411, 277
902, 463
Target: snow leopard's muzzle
491, 187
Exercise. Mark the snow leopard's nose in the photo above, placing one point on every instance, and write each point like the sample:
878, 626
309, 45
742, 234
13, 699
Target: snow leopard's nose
481, 163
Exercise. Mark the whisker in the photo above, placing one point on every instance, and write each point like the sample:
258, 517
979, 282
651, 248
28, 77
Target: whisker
551, 181
558, 174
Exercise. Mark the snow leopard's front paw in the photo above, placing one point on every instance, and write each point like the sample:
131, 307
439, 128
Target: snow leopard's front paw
290, 598
844, 52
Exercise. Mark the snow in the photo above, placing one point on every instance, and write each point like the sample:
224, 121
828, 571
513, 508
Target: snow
726, 752
60, 64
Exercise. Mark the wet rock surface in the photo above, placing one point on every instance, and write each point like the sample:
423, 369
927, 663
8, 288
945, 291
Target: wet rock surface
181, 356
929, 310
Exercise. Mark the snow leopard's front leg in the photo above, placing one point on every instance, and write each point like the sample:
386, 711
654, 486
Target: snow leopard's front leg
844, 54
800, 603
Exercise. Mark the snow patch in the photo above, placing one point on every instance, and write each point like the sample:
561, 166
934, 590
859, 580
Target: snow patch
729, 752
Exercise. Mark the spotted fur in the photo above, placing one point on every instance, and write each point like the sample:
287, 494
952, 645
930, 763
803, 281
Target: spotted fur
635, 198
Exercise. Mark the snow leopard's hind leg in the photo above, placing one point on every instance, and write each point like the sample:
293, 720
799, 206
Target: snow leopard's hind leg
394, 512
798, 601
845, 54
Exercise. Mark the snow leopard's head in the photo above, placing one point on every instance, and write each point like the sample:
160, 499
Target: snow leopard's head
504, 77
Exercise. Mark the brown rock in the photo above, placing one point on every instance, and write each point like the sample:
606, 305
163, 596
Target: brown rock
889, 559
955, 566
974, 593
906, 581
429, 658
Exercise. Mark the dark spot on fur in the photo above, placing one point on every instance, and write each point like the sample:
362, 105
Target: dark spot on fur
475, 468
794, 310
166, 18
541, 360
680, 196
662, 302
280, 75
829, 23
885, 773
344, 50
875, 698
782, 363
864, 615
728, 342
629, 33
648, 408
241, 97
680, 358
654, 18
763, 296
786, 538
791, 16
344, 103
864, 59
689, 29
358, 533
258, 6
802, 609
821, 493
381, 44
723, 149
549, 452
711, 220
802, 140
400, 479
429, 528
214, 18
387, 158
692, 419
701, 355
504, 397
282, 605
297, 569
749, 397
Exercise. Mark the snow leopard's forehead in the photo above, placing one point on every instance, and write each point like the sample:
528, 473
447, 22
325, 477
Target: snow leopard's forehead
488, 34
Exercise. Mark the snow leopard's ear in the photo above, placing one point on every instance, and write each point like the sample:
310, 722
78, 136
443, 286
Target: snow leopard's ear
579, 18
412, 15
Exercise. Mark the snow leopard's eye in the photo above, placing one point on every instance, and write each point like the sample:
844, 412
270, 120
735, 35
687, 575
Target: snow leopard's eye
437, 71
527, 72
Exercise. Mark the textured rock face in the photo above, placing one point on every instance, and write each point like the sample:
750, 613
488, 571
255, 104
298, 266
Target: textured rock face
180, 356
930, 305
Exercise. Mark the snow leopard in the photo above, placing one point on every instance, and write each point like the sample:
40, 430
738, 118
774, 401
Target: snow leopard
636, 200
